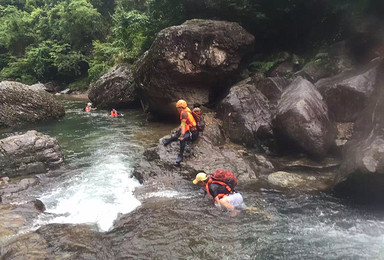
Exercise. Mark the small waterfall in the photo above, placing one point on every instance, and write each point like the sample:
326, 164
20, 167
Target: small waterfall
99, 185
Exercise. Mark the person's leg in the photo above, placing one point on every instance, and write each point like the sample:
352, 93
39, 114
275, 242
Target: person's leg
236, 200
226, 204
195, 135
174, 137
187, 137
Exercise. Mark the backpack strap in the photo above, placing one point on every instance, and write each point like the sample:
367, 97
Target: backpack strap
221, 195
224, 184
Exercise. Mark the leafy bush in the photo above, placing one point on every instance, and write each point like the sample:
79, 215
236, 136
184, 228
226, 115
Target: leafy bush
81, 84
105, 55
131, 30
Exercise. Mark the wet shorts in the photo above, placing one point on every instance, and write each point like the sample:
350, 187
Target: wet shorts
236, 200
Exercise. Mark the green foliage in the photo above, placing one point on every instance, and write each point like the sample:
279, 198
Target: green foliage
131, 32
261, 66
46, 61
165, 13
105, 55
80, 84
15, 30
266, 65
75, 22
50, 39
19, 70
17, 3
4, 59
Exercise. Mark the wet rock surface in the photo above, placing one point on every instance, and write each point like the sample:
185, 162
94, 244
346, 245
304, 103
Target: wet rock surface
246, 116
364, 153
302, 118
210, 152
30, 153
192, 61
15, 218
20, 104
347, 94
59, 241
302, 181
115, 89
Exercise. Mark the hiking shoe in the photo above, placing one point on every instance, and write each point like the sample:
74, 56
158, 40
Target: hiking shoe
179, 159
165, 141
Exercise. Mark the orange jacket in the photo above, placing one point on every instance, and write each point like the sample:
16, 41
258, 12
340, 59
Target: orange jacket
88, 109
191, 122
114, 113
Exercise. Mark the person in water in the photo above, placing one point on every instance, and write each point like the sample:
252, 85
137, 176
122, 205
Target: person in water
114, 113
187, 131
88, 108
224, 197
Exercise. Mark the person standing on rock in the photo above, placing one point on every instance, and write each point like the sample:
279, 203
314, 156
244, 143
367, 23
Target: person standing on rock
187, 131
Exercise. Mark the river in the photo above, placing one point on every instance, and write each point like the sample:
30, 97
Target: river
96, 186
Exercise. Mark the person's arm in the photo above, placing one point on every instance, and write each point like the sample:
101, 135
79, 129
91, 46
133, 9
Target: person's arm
182, 125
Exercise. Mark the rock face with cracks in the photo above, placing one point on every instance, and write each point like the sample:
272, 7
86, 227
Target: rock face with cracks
30, 153
364, 153
193, 61
210, 152
115, 89
21, 103
347, 94
302, 118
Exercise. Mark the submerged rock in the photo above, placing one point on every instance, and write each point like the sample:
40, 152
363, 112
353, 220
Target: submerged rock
59, 241
30, 153
115, 89
20, 103
193, 61
301, 181
302, 119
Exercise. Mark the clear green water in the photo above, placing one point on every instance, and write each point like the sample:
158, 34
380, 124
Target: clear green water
95, 185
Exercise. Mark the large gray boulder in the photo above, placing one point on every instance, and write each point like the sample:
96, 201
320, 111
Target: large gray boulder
115, 89
364, 153
20, 103
30, 153
302, 119
346, 94
193, 61
270, 87
246, 116
209, 153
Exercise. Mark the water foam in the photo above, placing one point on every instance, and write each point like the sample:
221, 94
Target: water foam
97, 195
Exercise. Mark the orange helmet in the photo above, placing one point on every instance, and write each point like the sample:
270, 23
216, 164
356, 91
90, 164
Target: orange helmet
181, 103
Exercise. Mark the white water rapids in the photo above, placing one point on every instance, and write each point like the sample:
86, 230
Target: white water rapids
98, 185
